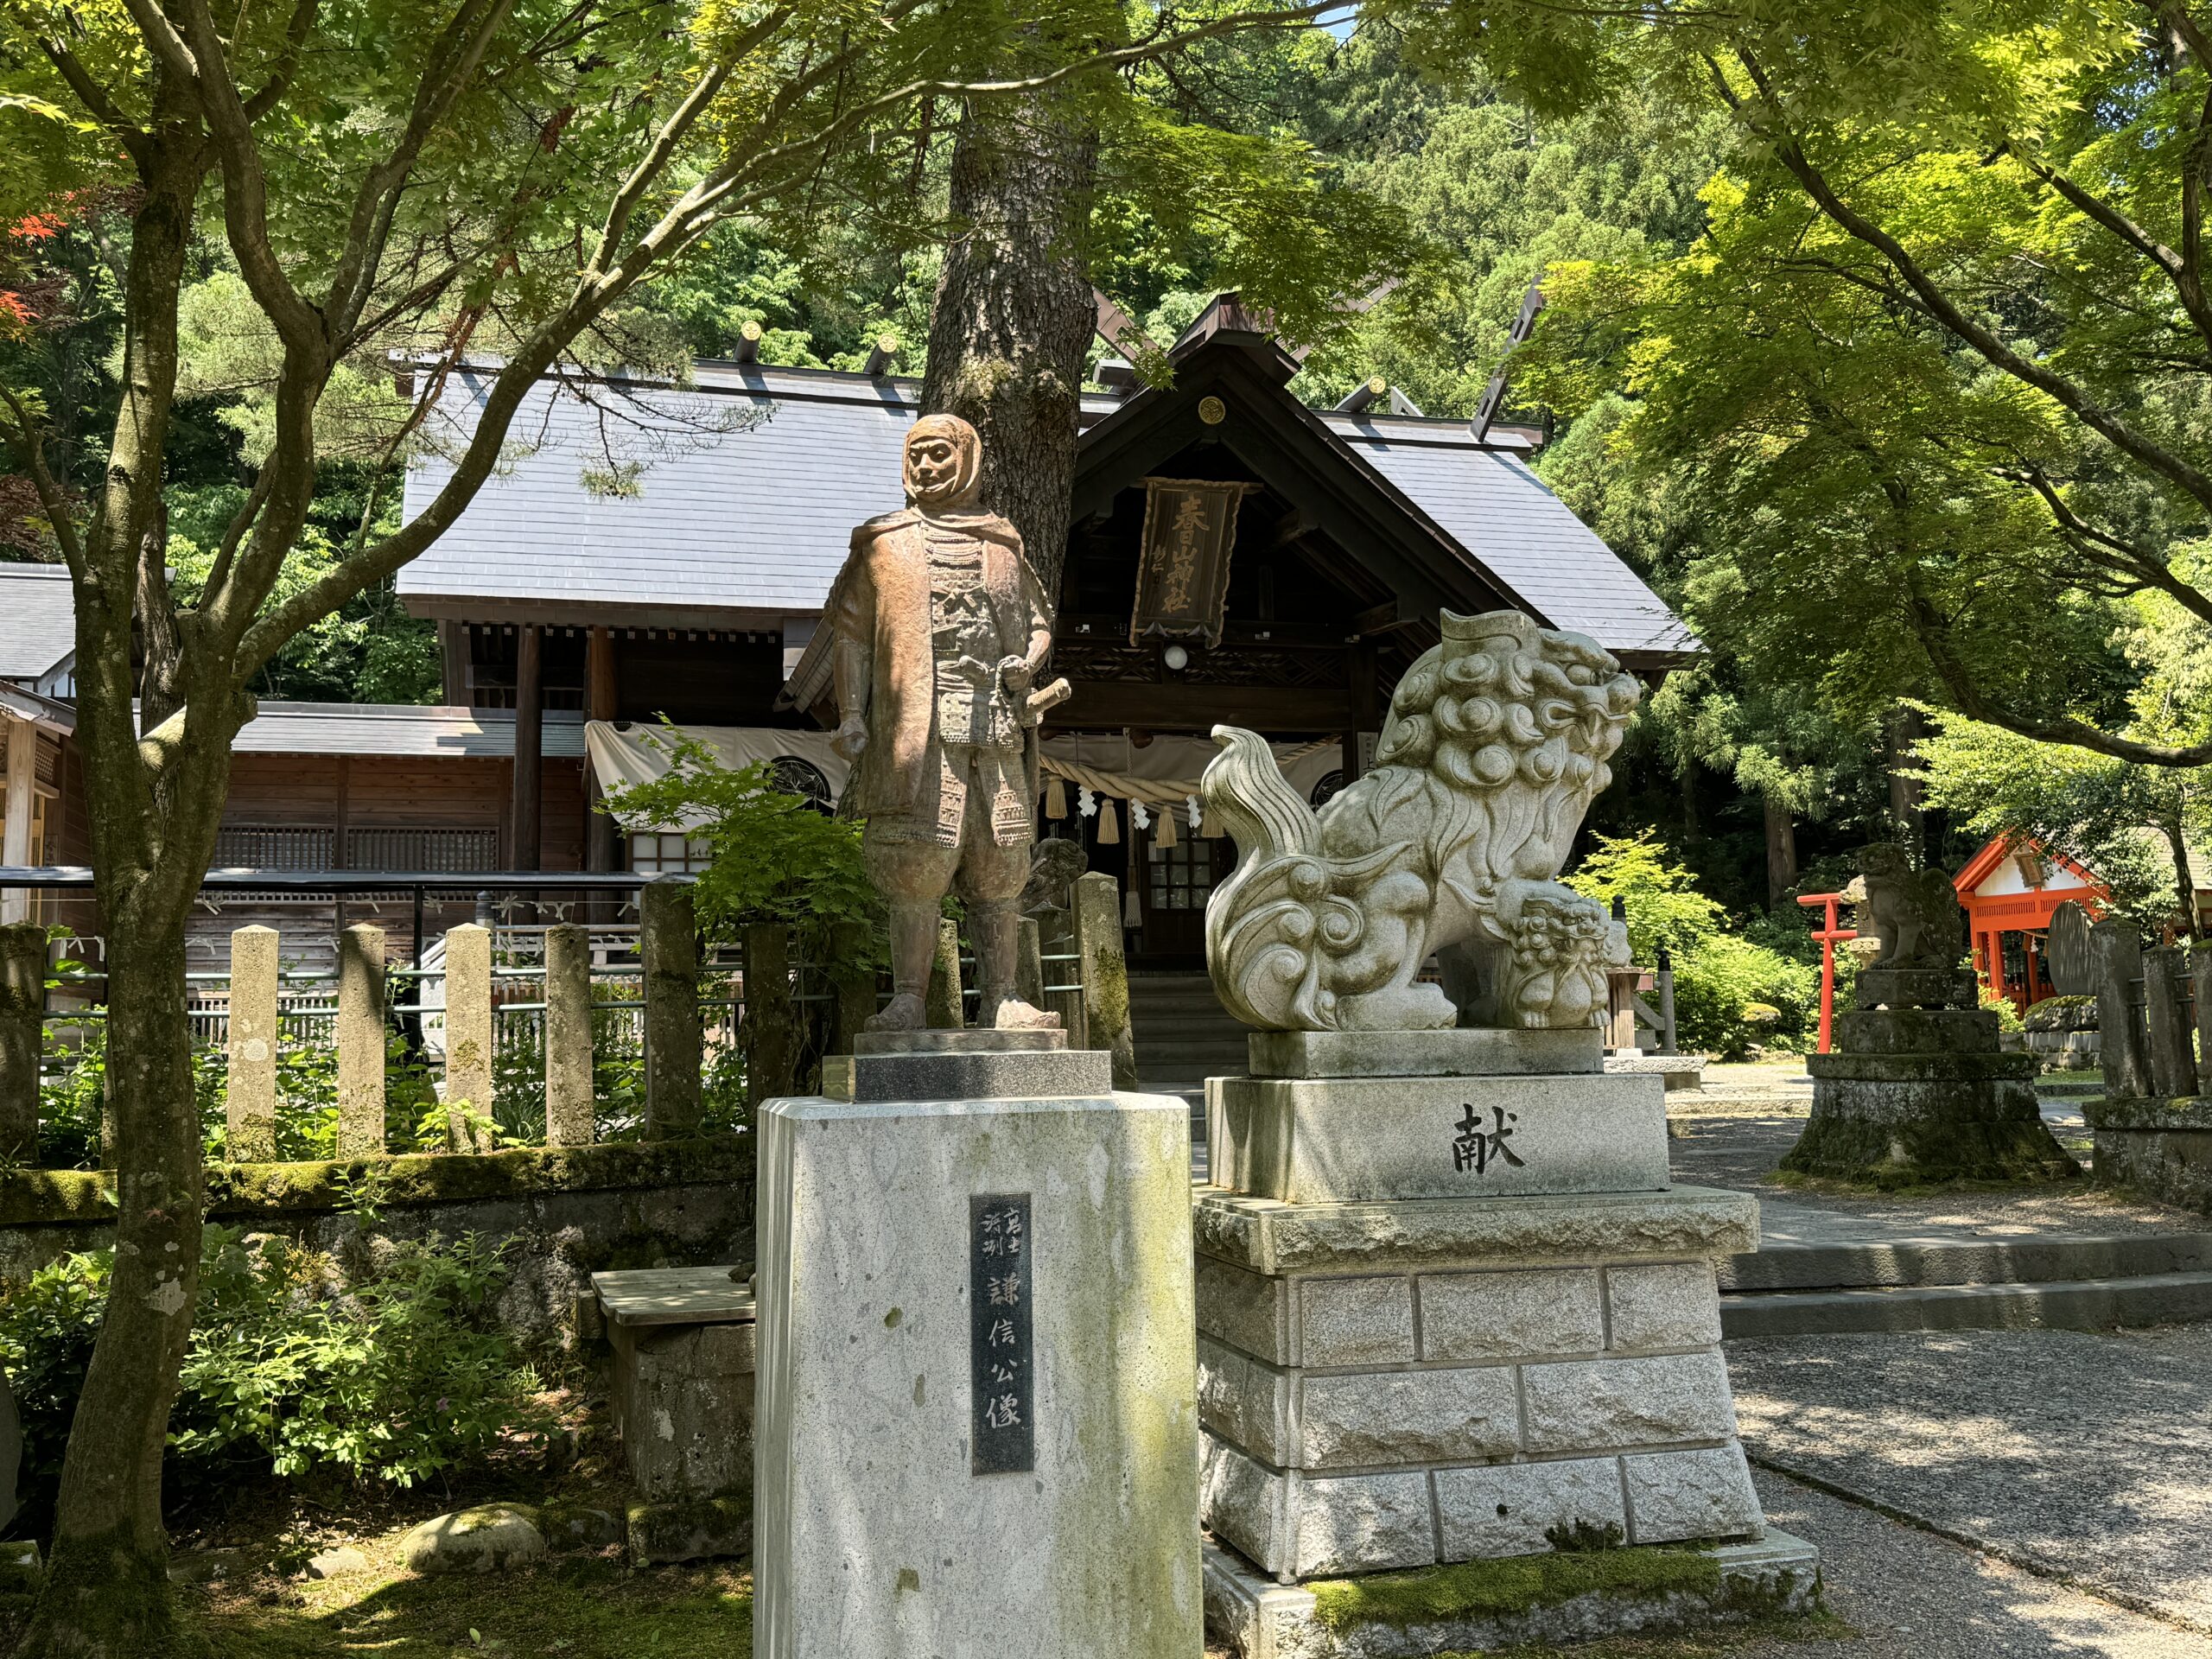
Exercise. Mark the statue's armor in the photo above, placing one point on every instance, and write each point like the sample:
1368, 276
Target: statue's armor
975, 747
971, 706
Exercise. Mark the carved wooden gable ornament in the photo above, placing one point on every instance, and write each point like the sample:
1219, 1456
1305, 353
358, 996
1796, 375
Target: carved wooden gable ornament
1190, 529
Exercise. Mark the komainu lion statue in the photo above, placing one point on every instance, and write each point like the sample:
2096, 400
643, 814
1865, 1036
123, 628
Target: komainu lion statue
1915, 912
1496, 742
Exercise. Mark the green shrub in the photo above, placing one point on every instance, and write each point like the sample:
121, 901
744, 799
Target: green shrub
2008, 1017
395, 1378
1722, 978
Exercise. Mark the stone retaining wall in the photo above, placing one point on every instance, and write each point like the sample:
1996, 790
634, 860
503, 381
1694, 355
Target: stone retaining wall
2159, 1147
572, 1212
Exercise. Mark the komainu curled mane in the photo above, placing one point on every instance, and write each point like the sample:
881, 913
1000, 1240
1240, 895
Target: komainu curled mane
1497, 741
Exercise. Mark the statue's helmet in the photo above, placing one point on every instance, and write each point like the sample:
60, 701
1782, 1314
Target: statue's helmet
944, 462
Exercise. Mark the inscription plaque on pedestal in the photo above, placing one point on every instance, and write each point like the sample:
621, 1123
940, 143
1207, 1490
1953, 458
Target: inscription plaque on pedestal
1002, 1369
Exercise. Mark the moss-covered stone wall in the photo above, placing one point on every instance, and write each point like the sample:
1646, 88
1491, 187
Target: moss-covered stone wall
570, 1211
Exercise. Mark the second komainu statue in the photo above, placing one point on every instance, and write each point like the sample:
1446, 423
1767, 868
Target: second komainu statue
1496, 744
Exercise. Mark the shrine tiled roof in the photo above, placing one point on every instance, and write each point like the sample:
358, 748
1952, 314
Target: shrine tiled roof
38, 619
1492, 503
731, 501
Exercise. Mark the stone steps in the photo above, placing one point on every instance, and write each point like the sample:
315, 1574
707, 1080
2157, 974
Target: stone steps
1918, 1263
1183, 1034
1964, 1283
2073, 1304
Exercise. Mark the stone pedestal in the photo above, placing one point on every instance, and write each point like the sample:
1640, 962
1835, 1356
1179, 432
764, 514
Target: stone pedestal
2159, 1147
1919, 1091
977, 1427
1411, 1357
682, 1390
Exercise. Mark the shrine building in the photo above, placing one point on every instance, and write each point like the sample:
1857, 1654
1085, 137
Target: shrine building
1235, 557
648, 550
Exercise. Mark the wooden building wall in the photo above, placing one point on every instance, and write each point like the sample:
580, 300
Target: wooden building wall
342, 793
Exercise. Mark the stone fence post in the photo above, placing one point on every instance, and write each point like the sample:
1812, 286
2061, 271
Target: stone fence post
2117, 949
851, 971
569, 1095
22, 1004
249, 1087
770, 1030
1105, 973
2200, 978
360, 1042
668, 941
943, 1002
2173, 1066
1029, 962
468, 1036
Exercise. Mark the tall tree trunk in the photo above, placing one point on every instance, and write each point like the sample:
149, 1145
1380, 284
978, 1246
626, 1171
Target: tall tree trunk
1011, 324
106, 1589
2185, 874
106, 1594
1780, 855
1900, 733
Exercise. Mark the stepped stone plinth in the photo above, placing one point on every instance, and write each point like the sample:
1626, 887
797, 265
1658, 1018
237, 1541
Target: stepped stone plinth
1414, 1351
1918, 1091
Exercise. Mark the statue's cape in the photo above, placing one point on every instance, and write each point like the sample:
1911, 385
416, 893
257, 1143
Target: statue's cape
881, 602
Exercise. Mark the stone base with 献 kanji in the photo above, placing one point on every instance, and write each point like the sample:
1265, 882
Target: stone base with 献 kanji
1461, 1318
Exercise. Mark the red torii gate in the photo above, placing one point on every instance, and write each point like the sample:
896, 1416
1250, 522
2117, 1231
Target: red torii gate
1830, 936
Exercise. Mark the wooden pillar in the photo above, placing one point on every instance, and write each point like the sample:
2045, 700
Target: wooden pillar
529, 745
16, 841
453, 659
601, 696
1363, 675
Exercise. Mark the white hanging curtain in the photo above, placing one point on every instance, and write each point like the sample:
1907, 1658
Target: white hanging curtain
1162, 775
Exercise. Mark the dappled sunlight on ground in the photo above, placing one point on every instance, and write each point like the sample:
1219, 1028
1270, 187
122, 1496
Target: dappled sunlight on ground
575, 1607
2080, 1454
1742, 1151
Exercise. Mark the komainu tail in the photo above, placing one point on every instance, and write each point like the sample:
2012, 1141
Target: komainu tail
1266, 923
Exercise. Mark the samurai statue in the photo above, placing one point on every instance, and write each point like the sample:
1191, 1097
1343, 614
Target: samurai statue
942, 629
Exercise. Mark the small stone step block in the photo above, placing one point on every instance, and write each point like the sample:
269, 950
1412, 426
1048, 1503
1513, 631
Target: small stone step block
1917, 988
682, 1382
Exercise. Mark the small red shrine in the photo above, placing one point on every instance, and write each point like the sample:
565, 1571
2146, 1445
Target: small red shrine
2009, 890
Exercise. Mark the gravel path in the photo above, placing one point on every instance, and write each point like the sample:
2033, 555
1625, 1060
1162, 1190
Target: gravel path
1909, 1595
2085, 1455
